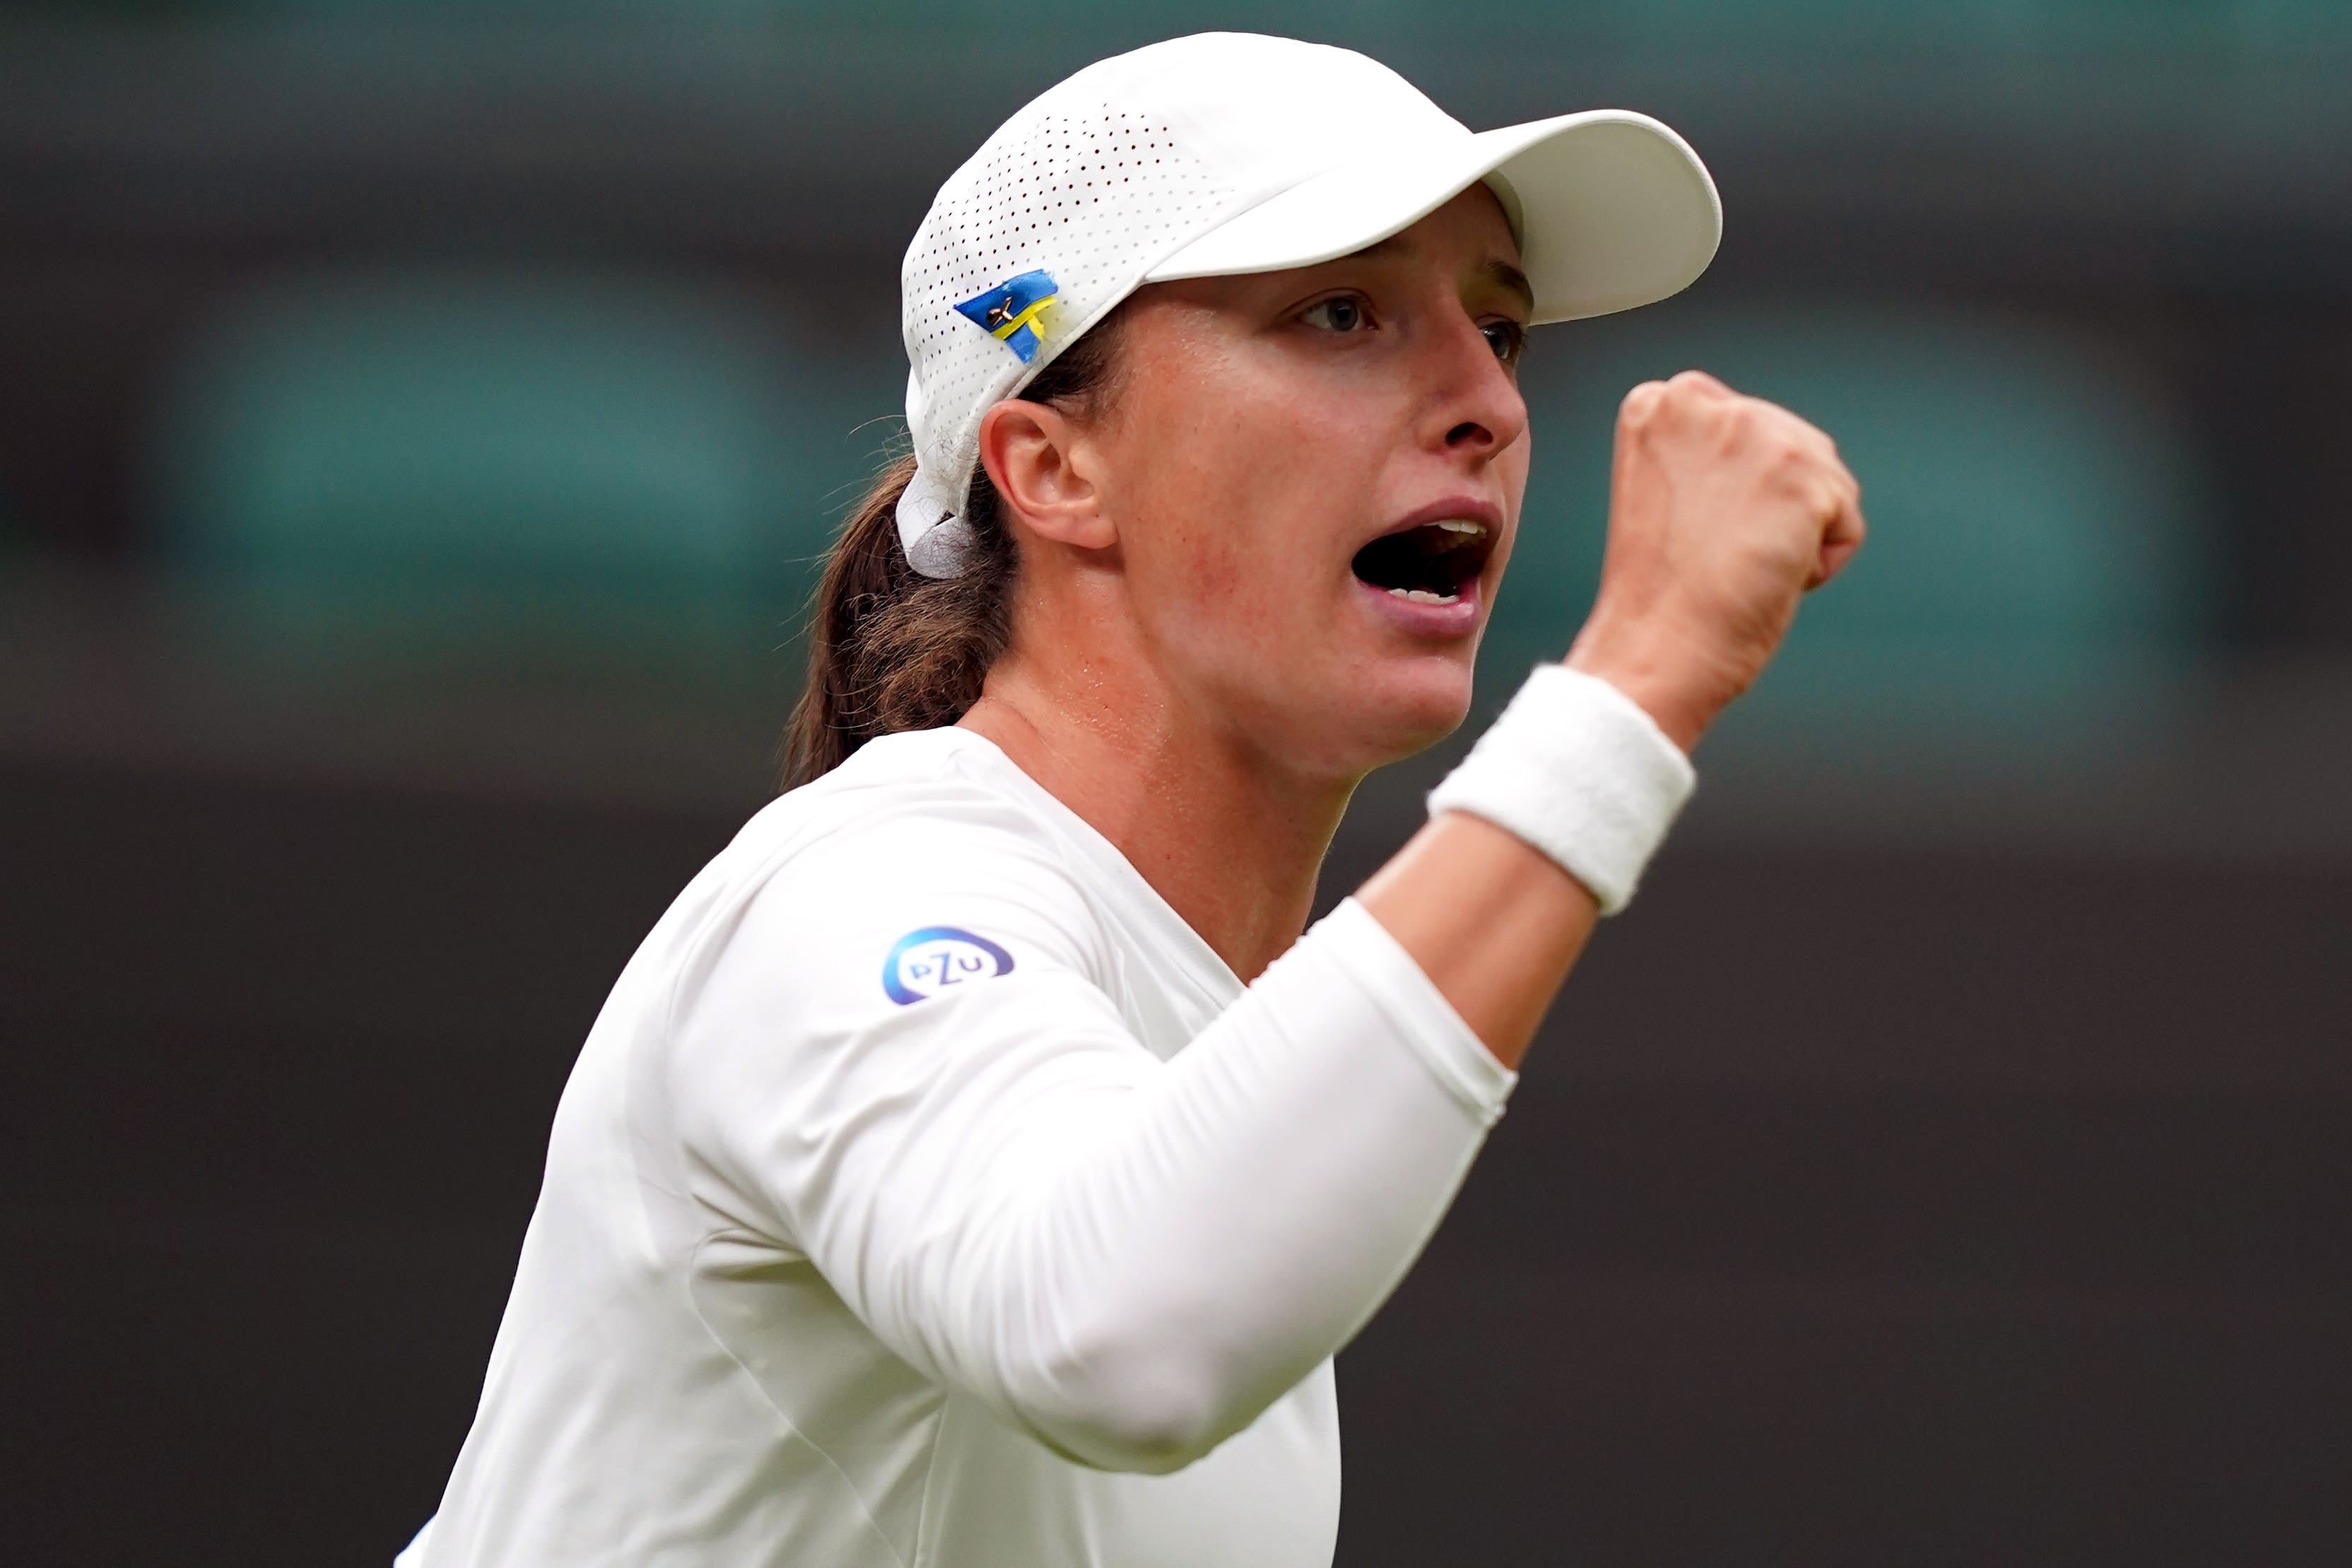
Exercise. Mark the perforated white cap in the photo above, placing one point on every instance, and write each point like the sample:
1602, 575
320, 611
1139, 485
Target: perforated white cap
1231, 152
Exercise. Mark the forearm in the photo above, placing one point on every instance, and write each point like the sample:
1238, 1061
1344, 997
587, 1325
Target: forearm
1543, 828
1493, 922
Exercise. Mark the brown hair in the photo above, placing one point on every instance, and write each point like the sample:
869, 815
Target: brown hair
890, 649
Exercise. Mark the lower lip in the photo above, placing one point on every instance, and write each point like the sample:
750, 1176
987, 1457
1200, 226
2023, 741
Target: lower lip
1457, 620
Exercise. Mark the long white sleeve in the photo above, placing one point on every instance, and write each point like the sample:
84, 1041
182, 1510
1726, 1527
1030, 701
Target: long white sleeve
1126, 1256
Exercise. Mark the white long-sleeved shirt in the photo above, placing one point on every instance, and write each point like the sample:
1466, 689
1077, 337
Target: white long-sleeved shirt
928, 1193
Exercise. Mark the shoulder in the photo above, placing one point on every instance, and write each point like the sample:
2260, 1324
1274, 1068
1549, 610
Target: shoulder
914, 844
900, 949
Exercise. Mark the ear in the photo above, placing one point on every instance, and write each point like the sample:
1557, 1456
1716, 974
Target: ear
1043, 471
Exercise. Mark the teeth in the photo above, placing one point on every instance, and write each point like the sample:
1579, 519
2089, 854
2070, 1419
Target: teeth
1460, 526
1423, 596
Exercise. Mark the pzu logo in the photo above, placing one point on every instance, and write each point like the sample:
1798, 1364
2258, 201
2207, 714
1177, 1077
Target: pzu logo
937, 958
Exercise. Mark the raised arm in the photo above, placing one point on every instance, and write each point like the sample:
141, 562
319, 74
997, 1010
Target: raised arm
1725, 509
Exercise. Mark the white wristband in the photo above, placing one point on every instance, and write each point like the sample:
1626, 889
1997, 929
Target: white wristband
1576, 768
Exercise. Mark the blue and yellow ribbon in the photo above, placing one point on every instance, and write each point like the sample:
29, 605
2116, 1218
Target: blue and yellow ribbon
1013, 312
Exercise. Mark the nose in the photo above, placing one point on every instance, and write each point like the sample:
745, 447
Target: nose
1476, 411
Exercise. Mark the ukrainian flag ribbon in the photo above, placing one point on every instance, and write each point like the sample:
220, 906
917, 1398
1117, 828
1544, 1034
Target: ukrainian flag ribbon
1011, 311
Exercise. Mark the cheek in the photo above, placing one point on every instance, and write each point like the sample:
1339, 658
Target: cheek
1238, 526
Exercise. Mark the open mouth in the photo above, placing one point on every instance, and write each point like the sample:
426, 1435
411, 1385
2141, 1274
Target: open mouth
1429, 564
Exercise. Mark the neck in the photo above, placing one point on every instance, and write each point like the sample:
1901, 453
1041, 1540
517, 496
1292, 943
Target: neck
1232, 840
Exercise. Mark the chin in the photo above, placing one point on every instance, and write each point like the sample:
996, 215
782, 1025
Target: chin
1413, 705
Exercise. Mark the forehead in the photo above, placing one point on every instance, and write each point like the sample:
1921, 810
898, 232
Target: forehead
1471, 230
1467, 241
1476, 215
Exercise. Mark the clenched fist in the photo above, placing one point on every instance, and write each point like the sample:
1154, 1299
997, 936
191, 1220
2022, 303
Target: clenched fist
1723, 510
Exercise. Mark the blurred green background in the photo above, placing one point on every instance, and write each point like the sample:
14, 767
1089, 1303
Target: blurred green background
421, 420
460, 348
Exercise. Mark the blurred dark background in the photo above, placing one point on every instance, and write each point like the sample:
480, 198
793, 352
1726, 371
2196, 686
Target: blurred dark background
418, 421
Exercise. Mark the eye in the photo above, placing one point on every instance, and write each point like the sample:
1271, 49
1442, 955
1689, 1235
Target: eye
1341, 313
1507, 338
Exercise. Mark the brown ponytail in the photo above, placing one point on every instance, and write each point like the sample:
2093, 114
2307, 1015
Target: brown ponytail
890, 649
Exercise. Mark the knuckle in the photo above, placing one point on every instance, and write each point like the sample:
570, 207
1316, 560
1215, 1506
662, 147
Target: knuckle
1641, 403
1682, 392
1789, 458
1813, 433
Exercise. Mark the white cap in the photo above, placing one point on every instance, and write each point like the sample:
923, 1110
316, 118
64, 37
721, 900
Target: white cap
1231, 152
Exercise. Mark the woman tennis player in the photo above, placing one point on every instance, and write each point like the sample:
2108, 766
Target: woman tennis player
976, 1167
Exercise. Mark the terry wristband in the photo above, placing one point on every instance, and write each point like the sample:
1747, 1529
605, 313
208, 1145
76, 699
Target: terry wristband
1576, 768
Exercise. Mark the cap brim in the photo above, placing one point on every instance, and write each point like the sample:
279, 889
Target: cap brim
1614, 210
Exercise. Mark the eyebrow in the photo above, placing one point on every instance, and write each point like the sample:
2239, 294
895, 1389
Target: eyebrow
1495, 270
1511, 279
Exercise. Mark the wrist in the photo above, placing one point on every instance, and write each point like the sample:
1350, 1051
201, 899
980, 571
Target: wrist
1656, 677
1580, 771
